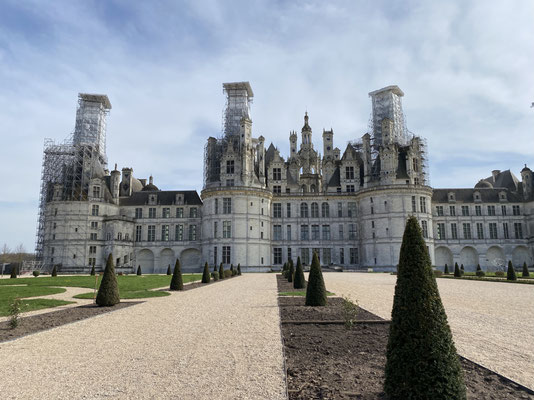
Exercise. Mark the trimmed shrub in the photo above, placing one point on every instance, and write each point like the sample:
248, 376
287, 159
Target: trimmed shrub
206, 274
238, 269
437, 273
232, 269
299, 282
36, 273
54, 270
462, 270
177, 281
480, 273
422, 362
500, 274
13, 271
285, 269
108, 292
169, 271
510, 273
93, 271
446, 270
139, 272
525, 273
457, 271
290, 272
221, 271
478, 267
215, 276
316, 291
215, 268
227, 273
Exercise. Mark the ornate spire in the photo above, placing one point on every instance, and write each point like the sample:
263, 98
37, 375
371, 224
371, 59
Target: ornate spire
306, 127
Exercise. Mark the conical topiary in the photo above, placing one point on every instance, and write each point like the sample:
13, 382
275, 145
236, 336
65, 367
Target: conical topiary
316, 291
169, 271
221, 271
525, 273
177, 282
457, 271
54, 271
13, 271
290, 272
462, 270
299, 282
139, 272
206, 274
232, 270
215, 268
93, 271
446, 270
510, 273
422, 362
108, 292
285, 268
478, 267
238, 269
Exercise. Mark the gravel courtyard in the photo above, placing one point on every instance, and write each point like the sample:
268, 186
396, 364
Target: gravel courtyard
492, 323
221, 341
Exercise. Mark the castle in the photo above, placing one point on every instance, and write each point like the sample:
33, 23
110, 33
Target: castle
259, 209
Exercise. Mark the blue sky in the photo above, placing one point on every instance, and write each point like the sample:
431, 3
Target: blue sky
465, 68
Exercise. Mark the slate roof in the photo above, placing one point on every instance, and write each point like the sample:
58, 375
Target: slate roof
487, 195
165, 198
335, 180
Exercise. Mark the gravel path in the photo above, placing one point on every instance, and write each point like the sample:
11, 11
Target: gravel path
492, 323
221, 341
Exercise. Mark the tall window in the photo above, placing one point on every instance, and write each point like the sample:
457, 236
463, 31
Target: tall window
465, 211
288, 210
303, 210
227, 205
277, 174
352, 231
230, 166
152, 212
165, 232
165, 212
491, 210
326, 232
480, 231
151, 233
305, 256
349, 172
454, 231
193, 212
478, 210
289, 253
505, 232
354, 256
216, 205
277, 232
138, 213
215, 229
314, 210
351, 209
422, 204
327, 256
518, 229
452, 210
227, 229
493, 230
226, 254
304, 232
215, 255
467, 231
439, 211
340, 231
339, 210
94, 210
179, 232
96, 191
277, 210
138, 233
441, 231
424, 228
342, 256
192, 232
503, 210
516, 210
414, 204
277, 189
277, 255
325, 210
315, 232
179, 212
288, 232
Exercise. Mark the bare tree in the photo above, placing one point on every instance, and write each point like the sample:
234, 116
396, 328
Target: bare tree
5, 251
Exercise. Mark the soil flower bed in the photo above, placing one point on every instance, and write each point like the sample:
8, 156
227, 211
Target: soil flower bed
325, 360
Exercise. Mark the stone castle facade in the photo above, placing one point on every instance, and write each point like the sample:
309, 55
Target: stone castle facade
259, 209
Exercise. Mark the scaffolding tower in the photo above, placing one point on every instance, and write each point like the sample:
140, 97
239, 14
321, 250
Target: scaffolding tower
69, 166
387, 103
239, 97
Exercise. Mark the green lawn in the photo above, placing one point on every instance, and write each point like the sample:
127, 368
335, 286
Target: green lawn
300, 293
9, 293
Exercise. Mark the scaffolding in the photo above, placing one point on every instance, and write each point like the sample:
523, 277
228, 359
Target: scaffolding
239, 97
69, 166
387, 103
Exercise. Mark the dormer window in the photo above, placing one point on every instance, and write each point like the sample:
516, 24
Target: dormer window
96, 191
502, 196
153, 199
451, 196
179, 198
476, 196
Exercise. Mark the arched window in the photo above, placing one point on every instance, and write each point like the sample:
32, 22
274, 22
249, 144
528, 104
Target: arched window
315, 210
119, 236
303, 210
325, 210
313, 189
303, 188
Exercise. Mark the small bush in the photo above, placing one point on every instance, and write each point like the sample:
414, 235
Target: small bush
36, 273
93, 272
510, 273
215, 276
500, 274
480, 273
108, 292
437, 273
206, 274
14, 313
350, 312
54, 271
478, 267
13, 271
238, 269
446, 270
177, 282
525, 273
169, 271
457, 271
139, 272
227, 273
221, 271
120, 273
